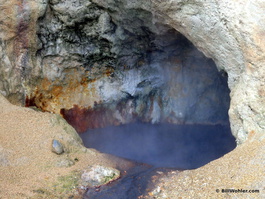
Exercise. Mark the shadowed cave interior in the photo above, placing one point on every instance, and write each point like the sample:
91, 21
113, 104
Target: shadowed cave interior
183, 142
184, 123
158, 99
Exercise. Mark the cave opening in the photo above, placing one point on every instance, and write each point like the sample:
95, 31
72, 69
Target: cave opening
112, 68
174, 110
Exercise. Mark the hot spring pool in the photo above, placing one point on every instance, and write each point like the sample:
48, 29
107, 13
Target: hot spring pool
163, 145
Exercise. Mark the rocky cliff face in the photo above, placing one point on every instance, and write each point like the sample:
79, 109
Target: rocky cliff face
113, 62
230, 33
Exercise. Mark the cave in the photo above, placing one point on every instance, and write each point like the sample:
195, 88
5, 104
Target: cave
104, 70
166, 93
131, 85
175, 117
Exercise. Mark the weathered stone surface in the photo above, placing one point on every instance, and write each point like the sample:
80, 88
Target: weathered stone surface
65, 53
231, 34
18, 46
108, 72
98, 175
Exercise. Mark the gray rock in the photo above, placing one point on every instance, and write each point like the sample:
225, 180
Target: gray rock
127, 38
57, 147
86, 37
98, 175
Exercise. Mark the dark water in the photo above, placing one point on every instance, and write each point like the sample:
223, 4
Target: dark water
160, 145
163, 145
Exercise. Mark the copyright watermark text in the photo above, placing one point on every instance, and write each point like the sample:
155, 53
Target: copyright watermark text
237, 191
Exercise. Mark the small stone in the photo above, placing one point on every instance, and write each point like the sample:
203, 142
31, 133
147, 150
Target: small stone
57, 147
98, 175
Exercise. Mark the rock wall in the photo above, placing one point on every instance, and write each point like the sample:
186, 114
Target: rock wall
18, 46
115, 62
231, 34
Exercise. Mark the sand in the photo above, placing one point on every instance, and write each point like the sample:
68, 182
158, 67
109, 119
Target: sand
27, 165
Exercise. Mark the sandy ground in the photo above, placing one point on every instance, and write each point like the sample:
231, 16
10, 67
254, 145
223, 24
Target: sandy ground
28, 168
27, 165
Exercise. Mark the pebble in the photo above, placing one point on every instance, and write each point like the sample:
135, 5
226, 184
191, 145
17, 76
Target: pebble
57, 147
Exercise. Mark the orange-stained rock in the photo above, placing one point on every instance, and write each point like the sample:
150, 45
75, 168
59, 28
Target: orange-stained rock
83, 119
45, 57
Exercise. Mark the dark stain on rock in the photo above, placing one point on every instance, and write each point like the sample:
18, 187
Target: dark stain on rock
83, 119
22, 41
38, 100
22, 34
30, 101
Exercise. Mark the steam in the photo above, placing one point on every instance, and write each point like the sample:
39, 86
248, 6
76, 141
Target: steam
163, 145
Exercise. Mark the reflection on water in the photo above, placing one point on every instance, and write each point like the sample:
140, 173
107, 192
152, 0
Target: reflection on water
163, 145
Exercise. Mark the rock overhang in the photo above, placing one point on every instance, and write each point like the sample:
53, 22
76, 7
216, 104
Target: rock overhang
232, 42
